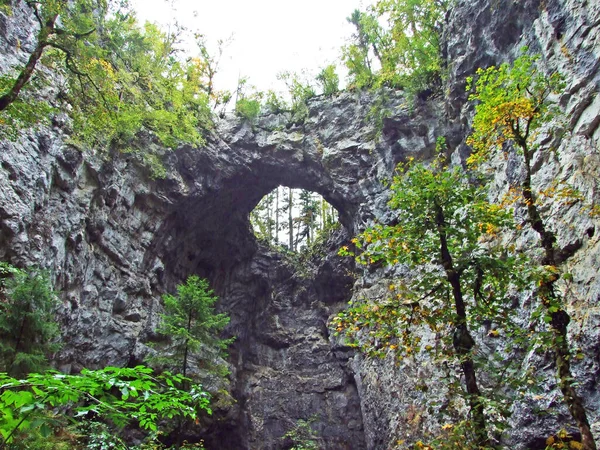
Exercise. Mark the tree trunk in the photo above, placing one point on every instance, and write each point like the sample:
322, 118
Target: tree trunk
42, 42
277, 215
560, 318
290, 219
186, 346
269, 217
463, 341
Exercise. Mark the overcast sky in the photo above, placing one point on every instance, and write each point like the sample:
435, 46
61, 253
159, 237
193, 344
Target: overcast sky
269, 36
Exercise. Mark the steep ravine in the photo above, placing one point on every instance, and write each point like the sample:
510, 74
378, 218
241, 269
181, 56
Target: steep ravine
114, 240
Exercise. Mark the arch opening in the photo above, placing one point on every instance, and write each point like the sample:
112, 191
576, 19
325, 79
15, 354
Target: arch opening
292, 219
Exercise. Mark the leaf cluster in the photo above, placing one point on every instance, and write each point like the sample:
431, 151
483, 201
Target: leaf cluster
119, 396
118, 78
511, 105
438, 209
302, 435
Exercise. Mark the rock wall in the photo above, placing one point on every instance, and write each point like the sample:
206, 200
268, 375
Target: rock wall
478, 34
115, 240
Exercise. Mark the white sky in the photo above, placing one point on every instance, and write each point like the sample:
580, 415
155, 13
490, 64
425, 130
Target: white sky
269, 36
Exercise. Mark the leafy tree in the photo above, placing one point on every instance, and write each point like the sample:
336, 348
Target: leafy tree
209, 68
28, 327
403, 37
513, 102
300, 92
460, 276
329, 80
119, 396
120, 78
357, 55
193, 327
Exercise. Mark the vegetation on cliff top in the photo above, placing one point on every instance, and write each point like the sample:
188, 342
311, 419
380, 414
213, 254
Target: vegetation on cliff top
116, 78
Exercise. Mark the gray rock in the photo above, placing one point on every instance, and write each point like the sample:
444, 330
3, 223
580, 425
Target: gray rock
115, 240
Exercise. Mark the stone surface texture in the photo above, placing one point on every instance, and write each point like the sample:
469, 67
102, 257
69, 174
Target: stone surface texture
115, 240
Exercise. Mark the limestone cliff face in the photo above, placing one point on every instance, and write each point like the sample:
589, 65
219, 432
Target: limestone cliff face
566, 34
115, 240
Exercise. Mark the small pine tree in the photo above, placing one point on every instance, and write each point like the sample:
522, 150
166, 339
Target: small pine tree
28, 327
194, 327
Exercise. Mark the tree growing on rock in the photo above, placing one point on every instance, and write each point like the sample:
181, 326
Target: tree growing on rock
115, 78
193, 327
397, 43
460, 277
28, 328
513, 103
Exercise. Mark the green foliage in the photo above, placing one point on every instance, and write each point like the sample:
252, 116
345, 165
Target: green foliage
99, 436
28, 328
6, 7
446, 233
329, 80
119, 78
300, 92
248, 108
193, 327
24, 112
396, 44
379, 111
137, 82
453, 436
118, 396
472, 224
248, 105
303, 436
274, 103
512, 105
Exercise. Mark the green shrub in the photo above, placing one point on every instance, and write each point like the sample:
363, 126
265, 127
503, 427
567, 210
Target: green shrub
329, 80
247, 108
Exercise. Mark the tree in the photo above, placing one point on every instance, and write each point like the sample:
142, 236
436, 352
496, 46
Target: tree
329, 80
356, 55
28, 328
300, 90
302, 435
119, 78
290, 210
308, 218
277, 213
193, 327
404, 36
247, 106
444, 233
513, 104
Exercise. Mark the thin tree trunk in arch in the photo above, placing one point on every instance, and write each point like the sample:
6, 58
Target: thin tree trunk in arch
291, 219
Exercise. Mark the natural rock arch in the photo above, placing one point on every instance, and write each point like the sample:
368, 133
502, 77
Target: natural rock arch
336, 153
